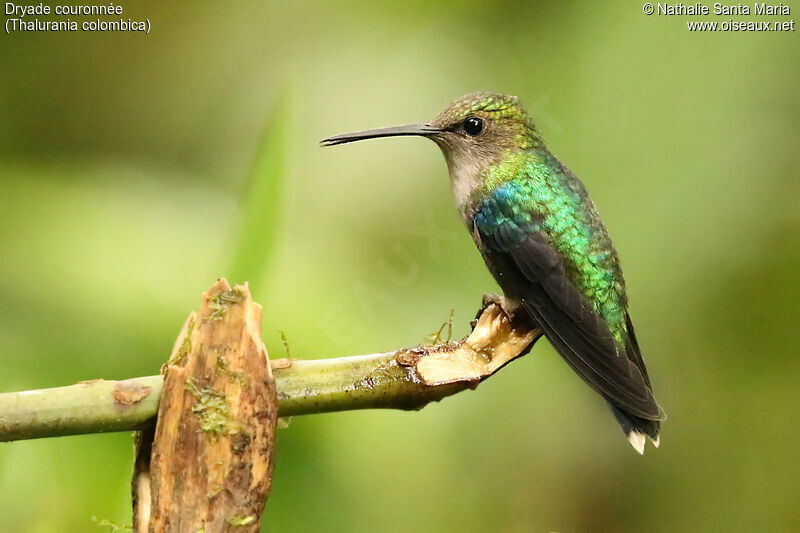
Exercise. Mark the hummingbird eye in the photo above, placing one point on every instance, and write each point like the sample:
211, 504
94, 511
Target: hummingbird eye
473, 126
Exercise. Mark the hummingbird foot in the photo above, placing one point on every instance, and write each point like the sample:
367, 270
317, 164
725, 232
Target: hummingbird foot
508, 306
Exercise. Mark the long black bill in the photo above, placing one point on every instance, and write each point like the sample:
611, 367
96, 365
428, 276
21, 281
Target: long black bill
395, 131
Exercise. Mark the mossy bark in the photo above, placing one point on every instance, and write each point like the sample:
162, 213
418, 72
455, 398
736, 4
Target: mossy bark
211, 457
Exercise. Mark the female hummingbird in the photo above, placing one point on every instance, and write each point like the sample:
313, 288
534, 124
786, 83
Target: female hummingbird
543, 241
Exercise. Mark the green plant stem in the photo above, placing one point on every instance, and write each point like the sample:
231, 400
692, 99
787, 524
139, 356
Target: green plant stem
305, 387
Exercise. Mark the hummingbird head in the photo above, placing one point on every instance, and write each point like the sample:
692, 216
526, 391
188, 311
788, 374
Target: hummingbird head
475, 132
484, 126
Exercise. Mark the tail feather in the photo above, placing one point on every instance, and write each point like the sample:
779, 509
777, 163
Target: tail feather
636, 429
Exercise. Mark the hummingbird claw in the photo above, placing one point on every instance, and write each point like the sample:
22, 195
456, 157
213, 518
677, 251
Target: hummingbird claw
508, 306
487, 300
490, 298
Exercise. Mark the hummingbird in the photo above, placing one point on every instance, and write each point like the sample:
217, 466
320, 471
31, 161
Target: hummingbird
542, 239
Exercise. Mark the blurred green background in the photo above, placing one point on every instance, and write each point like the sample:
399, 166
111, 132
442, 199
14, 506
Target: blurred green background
137, 169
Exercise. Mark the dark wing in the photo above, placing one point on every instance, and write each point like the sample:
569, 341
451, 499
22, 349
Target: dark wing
527, 267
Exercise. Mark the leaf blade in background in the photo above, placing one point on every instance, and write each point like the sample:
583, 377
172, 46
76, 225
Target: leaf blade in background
257, 237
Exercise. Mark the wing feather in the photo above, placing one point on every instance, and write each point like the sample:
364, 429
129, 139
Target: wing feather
578, 333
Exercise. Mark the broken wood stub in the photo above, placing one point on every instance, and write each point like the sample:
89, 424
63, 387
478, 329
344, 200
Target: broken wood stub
494, 342
211, 461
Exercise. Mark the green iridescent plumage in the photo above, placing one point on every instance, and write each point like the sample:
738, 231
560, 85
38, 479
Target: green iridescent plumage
527, 185
544, 243
532, 192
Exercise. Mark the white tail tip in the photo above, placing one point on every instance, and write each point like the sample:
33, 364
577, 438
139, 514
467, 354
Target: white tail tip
656, 441
637, 440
